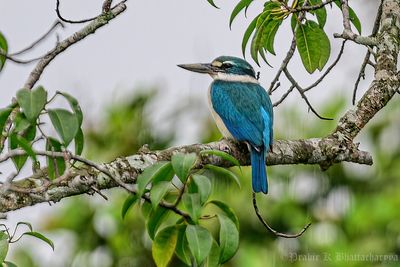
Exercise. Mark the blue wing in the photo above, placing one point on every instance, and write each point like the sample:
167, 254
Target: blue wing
246, 110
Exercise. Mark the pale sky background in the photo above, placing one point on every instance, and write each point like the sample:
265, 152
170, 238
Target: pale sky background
142, 47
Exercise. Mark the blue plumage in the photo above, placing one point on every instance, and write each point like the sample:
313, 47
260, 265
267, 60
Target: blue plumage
243, 108
246, 111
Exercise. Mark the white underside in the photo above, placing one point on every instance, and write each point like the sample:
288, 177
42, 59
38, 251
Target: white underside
234, 78
231, 78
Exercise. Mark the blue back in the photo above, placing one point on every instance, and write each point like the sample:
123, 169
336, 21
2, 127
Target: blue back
246, 110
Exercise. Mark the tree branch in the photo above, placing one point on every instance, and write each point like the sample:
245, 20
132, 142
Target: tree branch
125, 170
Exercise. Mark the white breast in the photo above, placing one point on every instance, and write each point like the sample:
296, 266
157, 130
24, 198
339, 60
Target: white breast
220, 124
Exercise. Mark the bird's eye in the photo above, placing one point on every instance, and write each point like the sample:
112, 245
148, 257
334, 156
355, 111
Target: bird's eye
226, 65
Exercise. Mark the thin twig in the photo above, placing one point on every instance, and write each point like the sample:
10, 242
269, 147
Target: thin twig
275, 232
284, 96
301, 91
284, 64
76, 37
320, 79
71, 21
43, 37
361, 74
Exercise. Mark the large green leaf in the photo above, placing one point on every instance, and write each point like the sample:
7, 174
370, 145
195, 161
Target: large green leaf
65, 123
156, 218
228, 238
239, 7
158, 171
213, 259
200, 242
55, 165
182, 246
41, 237
3, 49
203, 185
74, 105
320, 13
224, 173
4, 114
250, 29
3, 245
32, 102
182, 164
19, 161
268, 35
128, 203
228, 211
192, 204
79, 141
222, 155
164, 245
158, 191
313, 46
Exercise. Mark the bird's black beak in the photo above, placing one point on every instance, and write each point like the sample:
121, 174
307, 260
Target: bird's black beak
199, 67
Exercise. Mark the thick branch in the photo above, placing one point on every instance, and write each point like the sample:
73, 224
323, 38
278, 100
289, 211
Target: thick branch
83, 179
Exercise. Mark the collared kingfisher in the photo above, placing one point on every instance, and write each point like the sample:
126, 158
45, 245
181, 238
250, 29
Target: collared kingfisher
241, 109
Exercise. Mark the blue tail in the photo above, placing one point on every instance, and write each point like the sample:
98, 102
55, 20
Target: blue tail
259, 172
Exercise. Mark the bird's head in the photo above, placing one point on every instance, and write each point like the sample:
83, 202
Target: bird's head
224, 67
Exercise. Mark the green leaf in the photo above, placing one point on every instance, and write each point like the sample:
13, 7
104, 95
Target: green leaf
228, 238
212, 3
65, 123
192, 204
164, 246
269, 35
325, 48
352, 15
3, 245
320, 13
157, 171
239, 7
214, 257
182, 164
156, 218
4, 114
21, 123
79, 141
224, 172
222, 155
204, 187
26, 146
3, 49
355, 20
9, 264
25, 223
19, 161
250, 29
74, 105
128, 203
227, 211
182, 246
200, 242
158, 191
32, 102
41, 237
55, 165
313, 46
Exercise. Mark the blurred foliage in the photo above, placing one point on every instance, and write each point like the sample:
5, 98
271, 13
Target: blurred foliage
354, 208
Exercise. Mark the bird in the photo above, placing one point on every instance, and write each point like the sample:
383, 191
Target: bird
242, 110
